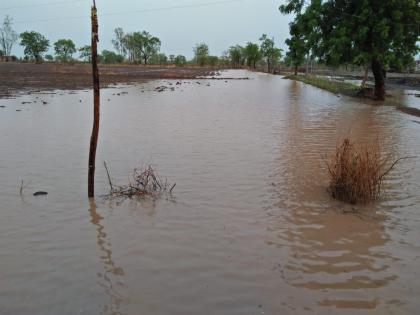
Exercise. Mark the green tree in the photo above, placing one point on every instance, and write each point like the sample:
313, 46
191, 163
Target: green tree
133, 42
171, 59
151, 46
252, 54
271, 54
85, 53
295, 56
35, 45
379, 33
213, 61
119, 41
110, 57
1, 53
236, 55
64, 49
201, 52
180, 61
159, 59
8, 37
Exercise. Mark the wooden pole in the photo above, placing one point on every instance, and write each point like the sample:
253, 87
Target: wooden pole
96, 104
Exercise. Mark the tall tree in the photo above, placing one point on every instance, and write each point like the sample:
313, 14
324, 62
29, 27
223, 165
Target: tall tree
236, 54
8, 37
35, 45
85, 53
119, 42
381, 33
252, 54
180, 61
269, 51
151, 46
201, 52
64, 49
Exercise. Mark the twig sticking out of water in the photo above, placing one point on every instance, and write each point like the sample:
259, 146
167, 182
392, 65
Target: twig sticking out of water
144, 183
22, 187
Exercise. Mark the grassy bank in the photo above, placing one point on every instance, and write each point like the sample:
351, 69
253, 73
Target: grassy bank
335, 87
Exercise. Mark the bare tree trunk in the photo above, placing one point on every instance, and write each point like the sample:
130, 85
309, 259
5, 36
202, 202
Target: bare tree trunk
378, 73
296, 69
96, 105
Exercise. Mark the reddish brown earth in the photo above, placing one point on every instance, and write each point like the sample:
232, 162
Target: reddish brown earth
18, 78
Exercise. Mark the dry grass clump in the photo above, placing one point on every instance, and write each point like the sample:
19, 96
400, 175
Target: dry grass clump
357, 173
143, 183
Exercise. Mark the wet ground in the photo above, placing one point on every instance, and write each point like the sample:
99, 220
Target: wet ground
252, 229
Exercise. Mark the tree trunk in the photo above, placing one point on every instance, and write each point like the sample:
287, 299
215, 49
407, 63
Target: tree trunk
296, 69
378, 73
96, 107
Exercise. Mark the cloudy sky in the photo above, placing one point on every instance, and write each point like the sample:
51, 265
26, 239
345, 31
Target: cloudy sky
178, 23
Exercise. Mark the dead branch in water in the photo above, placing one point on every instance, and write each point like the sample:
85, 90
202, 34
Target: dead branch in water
22, 187
357, 173
144, 183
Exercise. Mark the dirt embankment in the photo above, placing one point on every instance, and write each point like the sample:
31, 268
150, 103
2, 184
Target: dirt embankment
18, 78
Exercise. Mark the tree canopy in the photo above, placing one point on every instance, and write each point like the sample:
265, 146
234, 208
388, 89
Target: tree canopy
64, 49
252, 54
35, 45
201, 52
383, 34
268, 50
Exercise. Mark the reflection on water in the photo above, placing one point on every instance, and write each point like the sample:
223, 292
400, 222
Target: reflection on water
253, 230
109, 279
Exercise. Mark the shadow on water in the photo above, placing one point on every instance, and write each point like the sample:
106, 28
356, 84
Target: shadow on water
110, 278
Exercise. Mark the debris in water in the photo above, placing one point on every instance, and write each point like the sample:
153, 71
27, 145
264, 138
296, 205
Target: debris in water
40, 193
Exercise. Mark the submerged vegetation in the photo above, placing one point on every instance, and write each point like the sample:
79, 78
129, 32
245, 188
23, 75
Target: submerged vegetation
357, 172
144, 183
326, 84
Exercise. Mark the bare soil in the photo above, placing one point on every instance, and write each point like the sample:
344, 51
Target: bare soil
17, 78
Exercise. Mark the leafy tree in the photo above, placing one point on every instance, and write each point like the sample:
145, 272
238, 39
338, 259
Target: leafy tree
85, 53
110, 57
379, 33
8, 37
1, 53
201, 52
35, 45
119, 41
151, 45
236, 55
297, 47
133, 42
171, 59
268, 50
180, 61
159, 59
252, 54
212, 61
64, 49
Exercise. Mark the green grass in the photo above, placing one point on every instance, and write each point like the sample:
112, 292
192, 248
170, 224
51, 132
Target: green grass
335, 87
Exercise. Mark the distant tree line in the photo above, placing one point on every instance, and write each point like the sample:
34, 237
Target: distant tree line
138, 47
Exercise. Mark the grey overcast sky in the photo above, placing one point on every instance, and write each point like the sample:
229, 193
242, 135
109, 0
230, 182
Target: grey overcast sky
180, 24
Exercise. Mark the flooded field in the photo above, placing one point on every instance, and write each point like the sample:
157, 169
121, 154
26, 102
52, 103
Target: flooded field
252, 229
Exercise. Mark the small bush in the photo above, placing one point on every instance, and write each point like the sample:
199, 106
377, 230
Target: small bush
356, 173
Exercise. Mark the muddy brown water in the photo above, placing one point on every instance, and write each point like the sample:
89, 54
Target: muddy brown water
252, 229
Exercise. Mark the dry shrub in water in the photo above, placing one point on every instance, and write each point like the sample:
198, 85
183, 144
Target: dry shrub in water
356, 173
145, 182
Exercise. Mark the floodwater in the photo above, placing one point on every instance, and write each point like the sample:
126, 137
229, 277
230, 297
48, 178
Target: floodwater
252, 229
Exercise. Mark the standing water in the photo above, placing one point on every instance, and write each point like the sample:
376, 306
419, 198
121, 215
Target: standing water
252, 229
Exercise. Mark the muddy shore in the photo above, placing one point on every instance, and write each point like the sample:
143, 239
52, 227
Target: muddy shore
18, 78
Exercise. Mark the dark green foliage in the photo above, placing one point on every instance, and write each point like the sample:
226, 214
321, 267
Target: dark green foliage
64, 49
252, 54
201, 52
236, 54
35, 45
180, 61
268, 50
110, 57
381, 34
85, 53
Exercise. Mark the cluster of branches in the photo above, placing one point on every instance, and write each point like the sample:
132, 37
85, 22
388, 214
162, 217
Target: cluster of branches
144, 183
371, 33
